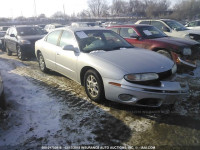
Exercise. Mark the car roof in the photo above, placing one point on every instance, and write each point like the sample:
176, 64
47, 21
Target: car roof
75, 29
131, 25
17, 26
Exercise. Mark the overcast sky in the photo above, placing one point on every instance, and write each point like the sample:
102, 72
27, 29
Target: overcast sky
15, 8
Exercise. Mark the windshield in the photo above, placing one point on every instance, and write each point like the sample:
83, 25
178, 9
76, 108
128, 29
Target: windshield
175, 25
92, 40
150, 32
23, 31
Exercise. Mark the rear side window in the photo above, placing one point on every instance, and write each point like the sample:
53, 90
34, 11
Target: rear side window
52, 38
158, 24
145, 22
127, 32
115, 30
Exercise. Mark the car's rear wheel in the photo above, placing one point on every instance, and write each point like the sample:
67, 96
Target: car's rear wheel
94, 86
165, 53
9, 53
42, 64
20, 53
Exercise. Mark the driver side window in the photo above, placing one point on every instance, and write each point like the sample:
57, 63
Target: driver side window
67, 38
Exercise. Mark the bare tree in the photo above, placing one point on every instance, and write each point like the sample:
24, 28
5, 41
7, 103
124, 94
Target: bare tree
119, 7
98, 8
187, 9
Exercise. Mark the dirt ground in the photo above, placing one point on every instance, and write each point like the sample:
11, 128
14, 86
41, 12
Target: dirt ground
50, 111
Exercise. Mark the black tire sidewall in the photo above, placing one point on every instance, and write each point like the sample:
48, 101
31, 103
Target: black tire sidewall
22, 54
101, 95
45, 68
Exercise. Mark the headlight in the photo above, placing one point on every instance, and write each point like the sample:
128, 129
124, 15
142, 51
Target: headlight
174, 69
187, 51
25, 42
141, 77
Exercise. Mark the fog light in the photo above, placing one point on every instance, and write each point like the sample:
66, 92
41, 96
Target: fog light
125, 97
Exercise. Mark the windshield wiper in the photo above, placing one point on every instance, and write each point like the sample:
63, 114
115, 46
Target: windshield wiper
121, 47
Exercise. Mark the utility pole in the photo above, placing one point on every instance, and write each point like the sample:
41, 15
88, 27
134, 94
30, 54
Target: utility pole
64, 10
35, 12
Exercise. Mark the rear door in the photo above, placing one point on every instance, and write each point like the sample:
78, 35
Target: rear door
50, 47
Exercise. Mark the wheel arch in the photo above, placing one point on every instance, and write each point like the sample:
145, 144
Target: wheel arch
84, 70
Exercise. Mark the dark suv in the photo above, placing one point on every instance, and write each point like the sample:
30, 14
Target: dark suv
21, 40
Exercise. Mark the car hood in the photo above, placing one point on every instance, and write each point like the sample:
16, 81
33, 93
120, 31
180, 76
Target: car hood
31, 37
176, 41
135, 60
186, 32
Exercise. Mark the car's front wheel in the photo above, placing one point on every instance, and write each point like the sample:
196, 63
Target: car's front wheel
42, 64
20, 53
94, 86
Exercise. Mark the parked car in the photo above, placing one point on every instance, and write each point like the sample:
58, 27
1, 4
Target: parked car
50, 27
173, 28
21, 40
182, 51
2, 34
84, 24
193, 25
109, 67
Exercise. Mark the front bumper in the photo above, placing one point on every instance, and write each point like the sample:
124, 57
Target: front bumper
151, 96
28, 49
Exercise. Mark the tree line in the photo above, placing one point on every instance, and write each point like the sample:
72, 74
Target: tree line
184, 9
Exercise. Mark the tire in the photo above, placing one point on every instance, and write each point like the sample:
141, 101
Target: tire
94, 86
9, 53
2, 101
42, 64
165, 53
20, 53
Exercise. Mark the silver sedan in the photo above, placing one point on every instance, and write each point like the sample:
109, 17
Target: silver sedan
109, 67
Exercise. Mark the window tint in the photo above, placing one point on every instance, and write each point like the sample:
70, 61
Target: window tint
198, 23
67, 38
145, 22
127, 32
53, 37
158, 24
115, 30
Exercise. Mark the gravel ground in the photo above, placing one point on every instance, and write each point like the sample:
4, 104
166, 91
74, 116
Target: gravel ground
52, 110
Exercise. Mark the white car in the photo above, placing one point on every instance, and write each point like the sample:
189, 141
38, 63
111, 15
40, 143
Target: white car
173, 28
193, 25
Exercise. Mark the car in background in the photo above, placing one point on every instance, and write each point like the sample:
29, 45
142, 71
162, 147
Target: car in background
2, 34
84, 24
109, 67
50, 27
4, 28
181, 51
21, 40
193, 25
173, 28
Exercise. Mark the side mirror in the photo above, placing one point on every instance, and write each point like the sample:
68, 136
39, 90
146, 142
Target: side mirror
70, 48
12, 35
165, 29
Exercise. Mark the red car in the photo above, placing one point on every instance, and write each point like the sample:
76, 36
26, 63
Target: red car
181, 51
